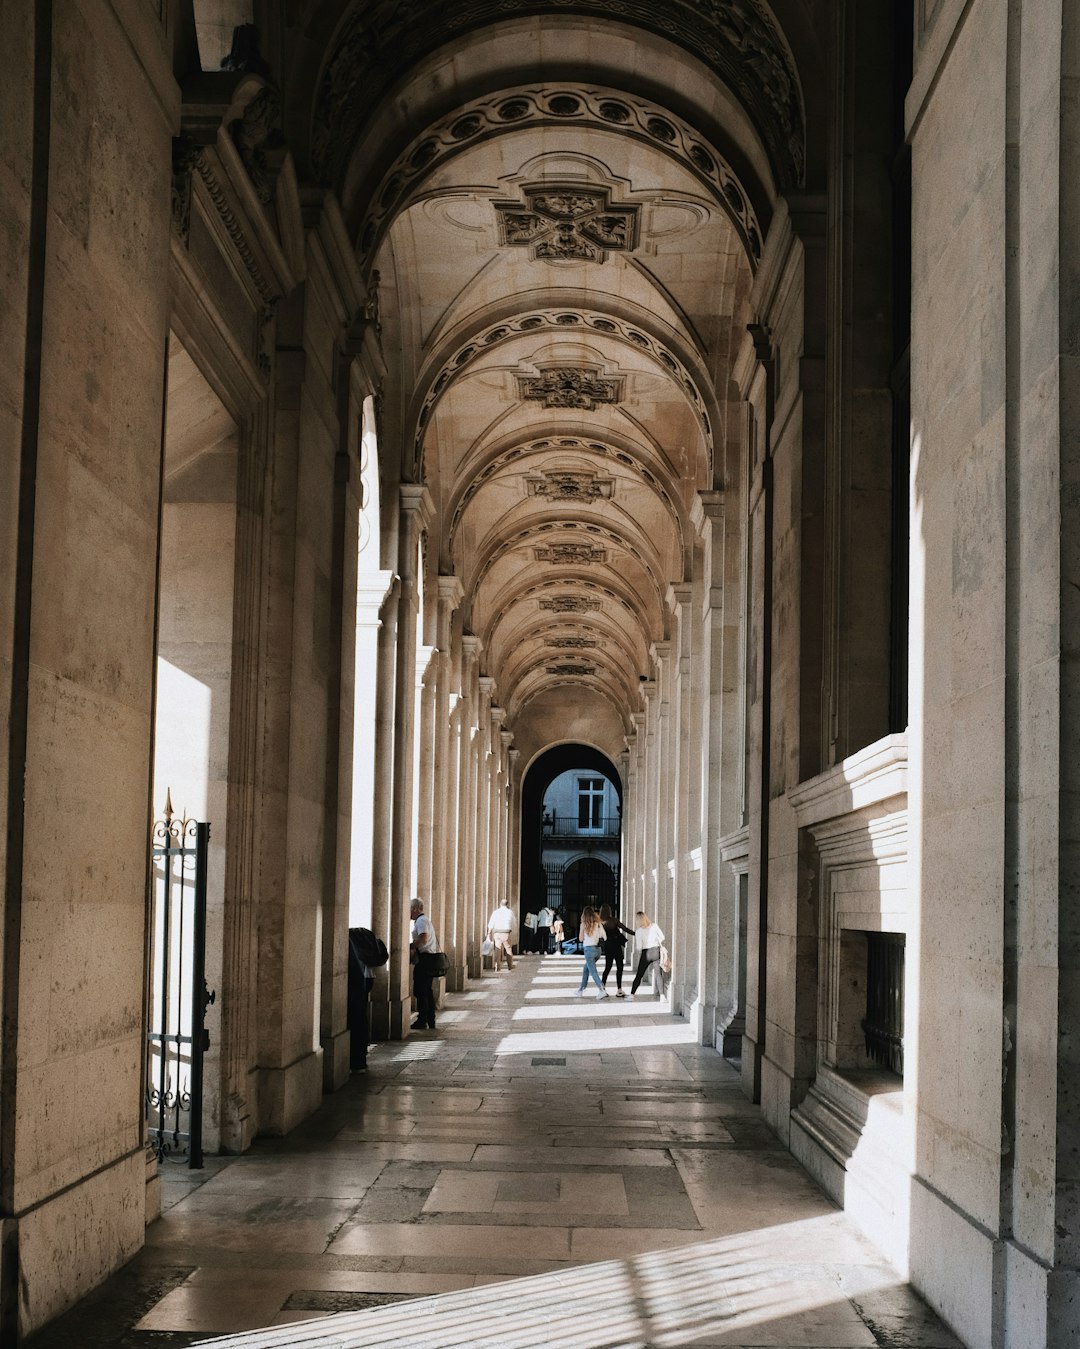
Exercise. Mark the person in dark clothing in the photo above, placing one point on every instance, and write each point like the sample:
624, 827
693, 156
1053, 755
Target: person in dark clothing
615, 934
361, 980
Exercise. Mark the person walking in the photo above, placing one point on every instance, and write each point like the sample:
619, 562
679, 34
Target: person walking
424, 946
499, 929
558, 931
590, 935
543, 930
649, 940
614, 944
366, 953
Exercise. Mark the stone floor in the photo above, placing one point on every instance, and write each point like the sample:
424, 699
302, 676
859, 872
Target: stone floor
541, 1171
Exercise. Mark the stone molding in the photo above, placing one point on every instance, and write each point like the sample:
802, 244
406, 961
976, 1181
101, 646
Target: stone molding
739, 41
560, 320
872, 777
594, 108
546, 445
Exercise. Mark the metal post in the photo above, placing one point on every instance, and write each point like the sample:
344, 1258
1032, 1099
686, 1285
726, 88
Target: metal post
199, 1037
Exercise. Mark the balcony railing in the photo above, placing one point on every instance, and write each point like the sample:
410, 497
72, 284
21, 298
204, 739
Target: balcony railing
568, 826
884, 1022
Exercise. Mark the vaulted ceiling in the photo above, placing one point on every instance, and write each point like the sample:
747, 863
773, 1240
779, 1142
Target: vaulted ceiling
561, 216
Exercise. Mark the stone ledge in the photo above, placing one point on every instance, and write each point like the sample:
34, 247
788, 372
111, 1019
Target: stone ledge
875, 776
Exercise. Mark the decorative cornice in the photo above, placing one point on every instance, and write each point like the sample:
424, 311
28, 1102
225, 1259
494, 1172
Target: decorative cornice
382, 39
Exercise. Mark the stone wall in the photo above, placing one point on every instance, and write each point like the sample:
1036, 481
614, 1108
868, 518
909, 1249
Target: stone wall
73, 1063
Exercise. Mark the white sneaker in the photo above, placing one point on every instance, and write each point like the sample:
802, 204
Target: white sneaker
601, 995
580, 993
629, 997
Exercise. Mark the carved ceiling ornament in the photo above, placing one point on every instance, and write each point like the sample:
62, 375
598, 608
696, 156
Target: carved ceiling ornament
570, 386
382, 39
559, 320
570, 485
567, 223
572, 643
570, 668
604, 109
569, 604
579, 553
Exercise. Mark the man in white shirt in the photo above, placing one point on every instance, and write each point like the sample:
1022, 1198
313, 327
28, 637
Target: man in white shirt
425, 946
544, 919
500, 925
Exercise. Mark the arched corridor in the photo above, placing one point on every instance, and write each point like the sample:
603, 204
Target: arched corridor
528, 455
469, 1187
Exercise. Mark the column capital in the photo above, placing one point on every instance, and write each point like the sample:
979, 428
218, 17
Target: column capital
706, 506
507, 737
660, 651
415, 499
450, 590
679, 593
498, 714
372, 588
471, 647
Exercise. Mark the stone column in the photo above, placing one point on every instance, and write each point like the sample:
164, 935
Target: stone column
664, 779
424, 787
649, 826
470, 942
719, 805
413, 504
683, 932
382, 802
513, 808
442, 880
371, 592
483, 869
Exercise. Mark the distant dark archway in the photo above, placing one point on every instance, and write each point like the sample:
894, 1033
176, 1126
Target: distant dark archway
541, 773
588, 881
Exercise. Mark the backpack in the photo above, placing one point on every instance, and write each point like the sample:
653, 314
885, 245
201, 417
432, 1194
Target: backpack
370, 949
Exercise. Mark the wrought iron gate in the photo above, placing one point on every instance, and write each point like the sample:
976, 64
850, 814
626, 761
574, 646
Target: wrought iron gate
179, 996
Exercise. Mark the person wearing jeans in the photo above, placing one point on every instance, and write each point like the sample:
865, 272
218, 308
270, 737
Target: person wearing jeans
591, 935
649, 939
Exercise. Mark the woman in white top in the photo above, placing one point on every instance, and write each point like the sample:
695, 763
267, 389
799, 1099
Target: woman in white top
591, 934
648, 939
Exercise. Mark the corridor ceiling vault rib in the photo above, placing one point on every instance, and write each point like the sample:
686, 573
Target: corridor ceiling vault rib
562, 268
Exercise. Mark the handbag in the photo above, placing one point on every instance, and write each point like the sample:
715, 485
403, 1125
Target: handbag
665, 960
442, 963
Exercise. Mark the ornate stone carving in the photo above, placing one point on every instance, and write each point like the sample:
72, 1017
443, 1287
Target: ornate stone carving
185, 154
569, 485
569, 604
584, 553
381, 39
572, 643
577, 224
565, 386
259, 141
570, 668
